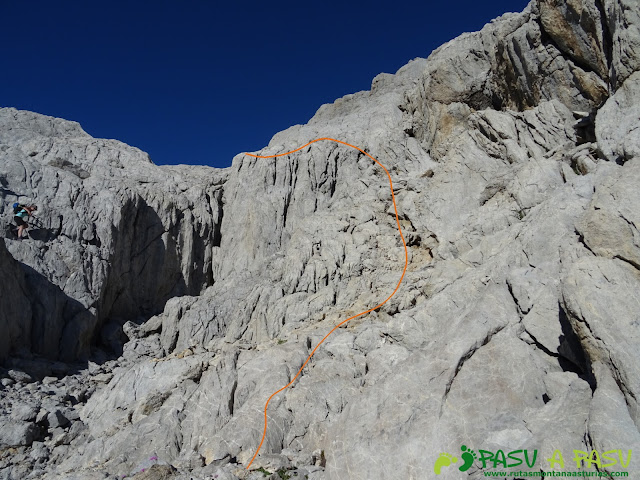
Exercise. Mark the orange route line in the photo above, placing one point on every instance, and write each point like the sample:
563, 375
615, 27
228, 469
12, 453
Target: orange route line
406, 262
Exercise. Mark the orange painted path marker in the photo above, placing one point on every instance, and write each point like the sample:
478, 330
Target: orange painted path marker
406, 262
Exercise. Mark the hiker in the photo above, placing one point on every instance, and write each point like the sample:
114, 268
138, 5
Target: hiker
20, 213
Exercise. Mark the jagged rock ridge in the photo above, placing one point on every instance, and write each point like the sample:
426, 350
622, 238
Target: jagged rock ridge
514, 152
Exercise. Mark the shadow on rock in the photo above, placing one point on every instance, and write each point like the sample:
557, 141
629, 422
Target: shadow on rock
61, 327
37, 230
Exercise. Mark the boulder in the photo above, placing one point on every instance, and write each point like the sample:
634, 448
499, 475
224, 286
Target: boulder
617, 123
17, 433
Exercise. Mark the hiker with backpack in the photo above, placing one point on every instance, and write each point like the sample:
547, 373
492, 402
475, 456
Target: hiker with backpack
20, 214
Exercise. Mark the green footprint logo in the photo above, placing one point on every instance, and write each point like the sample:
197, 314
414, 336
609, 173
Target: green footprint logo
468, 456
444, 460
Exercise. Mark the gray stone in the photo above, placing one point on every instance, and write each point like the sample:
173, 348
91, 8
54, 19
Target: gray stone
576, 27
623, 21
25, 412
42, 416
39, 452
610, 225
19, 471
156, 472
58, 437
57, 419
603, 311
610, 423
617, 122
71, 414
102, 377
76, 430
20, 377
16, 433
131, 330
36, 367
15, 308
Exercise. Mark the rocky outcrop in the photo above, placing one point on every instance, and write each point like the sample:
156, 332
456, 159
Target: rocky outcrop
514, 161
622, 19
119, 235
15, 308
617, 123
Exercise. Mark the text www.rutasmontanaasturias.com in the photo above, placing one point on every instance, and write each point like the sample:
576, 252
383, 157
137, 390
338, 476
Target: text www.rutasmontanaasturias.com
554, 473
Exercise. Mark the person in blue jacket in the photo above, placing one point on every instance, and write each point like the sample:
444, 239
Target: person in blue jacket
20, 215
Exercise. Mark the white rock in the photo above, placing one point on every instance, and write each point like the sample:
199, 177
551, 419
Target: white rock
617, 128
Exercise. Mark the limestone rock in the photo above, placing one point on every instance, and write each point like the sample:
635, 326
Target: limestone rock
623, 22
25, 412
57, 419
576, 27
617, 122
610, 225
119, 235
156, 472
20, 376
15, 307
602, 312
610, 422
16, 433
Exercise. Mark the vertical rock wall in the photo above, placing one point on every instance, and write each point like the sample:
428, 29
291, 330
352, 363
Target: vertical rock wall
119, 236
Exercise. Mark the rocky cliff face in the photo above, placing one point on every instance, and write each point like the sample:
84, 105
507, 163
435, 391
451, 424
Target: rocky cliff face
515, 158
15, 308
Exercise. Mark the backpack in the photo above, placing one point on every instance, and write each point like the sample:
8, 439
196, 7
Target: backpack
17, 208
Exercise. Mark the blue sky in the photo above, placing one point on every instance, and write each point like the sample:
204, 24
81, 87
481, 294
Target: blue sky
197, 82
